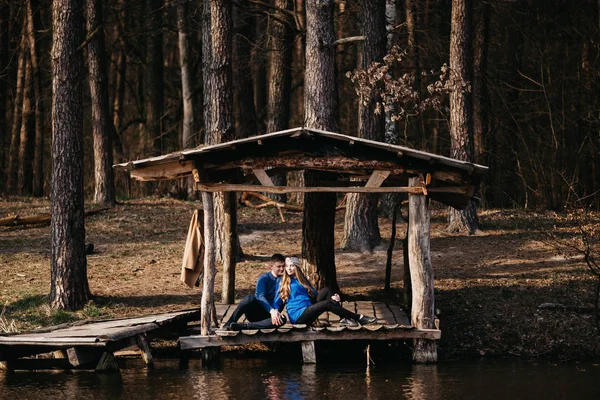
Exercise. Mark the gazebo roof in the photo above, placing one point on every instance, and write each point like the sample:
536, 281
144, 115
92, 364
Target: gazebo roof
346, 161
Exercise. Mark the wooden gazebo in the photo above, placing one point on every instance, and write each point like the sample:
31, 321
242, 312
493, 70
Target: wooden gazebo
357, 165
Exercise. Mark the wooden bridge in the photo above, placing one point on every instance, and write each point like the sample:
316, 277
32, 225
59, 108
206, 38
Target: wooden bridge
89, 344
392, 324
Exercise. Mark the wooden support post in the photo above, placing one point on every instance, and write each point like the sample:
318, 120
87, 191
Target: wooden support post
210, 355
209, 265
80, 356
6, 365
309, 356
421, 273
107, 363
144, 347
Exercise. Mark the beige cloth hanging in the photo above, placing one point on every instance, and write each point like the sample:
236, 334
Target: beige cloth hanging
192, 266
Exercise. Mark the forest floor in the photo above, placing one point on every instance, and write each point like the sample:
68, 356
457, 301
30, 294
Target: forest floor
487, 286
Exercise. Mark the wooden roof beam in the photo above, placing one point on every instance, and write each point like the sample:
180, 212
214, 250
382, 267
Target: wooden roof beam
223, 187
377, 178
262, 177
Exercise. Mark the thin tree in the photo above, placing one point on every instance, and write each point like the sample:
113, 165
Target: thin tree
4, 62
246, 123
319, 113
68, 279
38, 140
26, 136
278, 82
188, 136
461, 128
222, 130
13, 152
361, 230
154, 76
104, 192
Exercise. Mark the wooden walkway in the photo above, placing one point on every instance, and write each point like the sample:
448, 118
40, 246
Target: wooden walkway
392, 324
89, 344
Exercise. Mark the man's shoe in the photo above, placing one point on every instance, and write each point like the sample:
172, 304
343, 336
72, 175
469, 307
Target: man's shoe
348, 322
235, 326
364, 320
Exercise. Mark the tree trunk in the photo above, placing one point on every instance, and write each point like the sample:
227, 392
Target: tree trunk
13, 153
187, 86
222, 130
421, 274
259, 73
38, 140
461, 129
480, 103
104, 192
278, 82
387, 201
154, 77
188, 136
68, 283
297, 89
361, 230
119, 96
206, 71
319, 108
246, 123
208, 285
27, 134
4, 62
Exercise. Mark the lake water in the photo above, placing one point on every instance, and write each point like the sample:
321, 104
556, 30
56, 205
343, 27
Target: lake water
267, 379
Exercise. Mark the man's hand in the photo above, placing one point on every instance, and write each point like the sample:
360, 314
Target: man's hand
336, 297
276, 317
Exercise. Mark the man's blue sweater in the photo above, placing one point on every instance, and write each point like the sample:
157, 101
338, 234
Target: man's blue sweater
265, 290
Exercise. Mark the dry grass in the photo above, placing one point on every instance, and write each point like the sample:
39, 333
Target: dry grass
488, 286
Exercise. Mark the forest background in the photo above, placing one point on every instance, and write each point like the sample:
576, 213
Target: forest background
535, 84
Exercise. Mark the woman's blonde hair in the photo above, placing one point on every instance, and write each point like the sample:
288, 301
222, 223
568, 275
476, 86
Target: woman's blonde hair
286, 281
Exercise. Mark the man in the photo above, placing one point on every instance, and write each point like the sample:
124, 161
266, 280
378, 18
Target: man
258, 307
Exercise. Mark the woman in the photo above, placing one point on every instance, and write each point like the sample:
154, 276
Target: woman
295, 291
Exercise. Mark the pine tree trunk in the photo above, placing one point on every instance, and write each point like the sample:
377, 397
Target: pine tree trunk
68, 283
297, 91
187, 86
38, 140
259, 73
27, 134
101, 123
319, 107
461, 129
278, 82
387, 201
222, 130
119, 97
246, 123
206, 71
480, 102
361, 230
4, 62
13, 153
154, 77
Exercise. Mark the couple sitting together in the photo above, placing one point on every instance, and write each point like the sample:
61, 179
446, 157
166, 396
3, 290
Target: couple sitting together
286, 285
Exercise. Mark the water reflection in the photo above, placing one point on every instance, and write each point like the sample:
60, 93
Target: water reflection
263, 379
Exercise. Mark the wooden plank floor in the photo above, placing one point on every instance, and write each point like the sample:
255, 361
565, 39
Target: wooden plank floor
109, 334
392, 323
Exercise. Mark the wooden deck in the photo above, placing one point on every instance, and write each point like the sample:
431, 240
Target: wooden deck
89, 344
392, 324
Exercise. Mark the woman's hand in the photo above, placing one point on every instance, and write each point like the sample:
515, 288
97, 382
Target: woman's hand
336, 297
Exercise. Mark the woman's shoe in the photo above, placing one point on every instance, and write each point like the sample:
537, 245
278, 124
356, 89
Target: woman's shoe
364, 320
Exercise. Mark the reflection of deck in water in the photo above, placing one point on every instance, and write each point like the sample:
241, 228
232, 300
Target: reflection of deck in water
392, 324
89, 344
